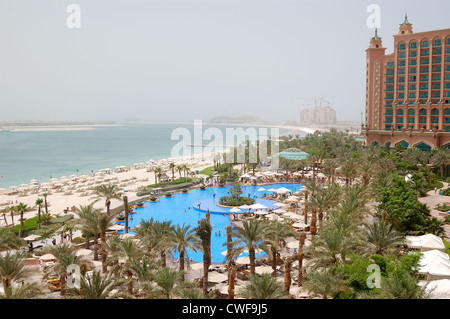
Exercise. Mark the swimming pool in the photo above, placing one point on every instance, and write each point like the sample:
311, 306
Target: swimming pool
182, 208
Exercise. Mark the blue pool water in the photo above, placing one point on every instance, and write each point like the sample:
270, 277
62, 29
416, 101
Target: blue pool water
182, 208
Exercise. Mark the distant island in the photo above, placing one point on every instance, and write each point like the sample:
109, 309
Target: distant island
52, 123
245, 118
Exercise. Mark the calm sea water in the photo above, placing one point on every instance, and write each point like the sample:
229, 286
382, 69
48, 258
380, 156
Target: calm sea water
45, 154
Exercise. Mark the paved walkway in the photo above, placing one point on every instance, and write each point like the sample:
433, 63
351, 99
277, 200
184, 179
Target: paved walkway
432, 200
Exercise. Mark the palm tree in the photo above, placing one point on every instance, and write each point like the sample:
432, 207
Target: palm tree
179, 169
105, 221
158, 172
12, 269
277, 233
398, 285
349, 170
324, 283
183, 239
21, 207
382, 238
9, 240
172, 167
129, 252
203, 232
45, 202
300, 255
155, 236
88, 222
252, 235
108, 193
263, 287
65, 256
24, 291
166, 279
98, 286
39, 203
441, 159
329, 166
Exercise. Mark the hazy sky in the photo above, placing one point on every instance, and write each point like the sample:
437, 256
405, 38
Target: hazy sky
172, 60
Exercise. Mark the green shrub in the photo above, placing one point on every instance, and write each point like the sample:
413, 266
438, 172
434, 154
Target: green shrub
233, 201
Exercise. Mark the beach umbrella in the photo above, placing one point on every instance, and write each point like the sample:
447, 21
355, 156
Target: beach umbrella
263, 270
217, 277
258, 206
117, 227
243, 260
245, 207
280, 205
272, 190
261, 189
279, 211
47, 257
235, 210
32, 237
299, 225
83, 252
261, 212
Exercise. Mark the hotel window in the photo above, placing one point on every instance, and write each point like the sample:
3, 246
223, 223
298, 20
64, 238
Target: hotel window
423, 112
424, 78
401, 55
424, 86
412, 70
412, 78
447, 68
401, 71
437, 68
401, 63
390, 80
446, 128
412, 87
388, 112
388, 104
388, 120
401, 96
448, 41
425, 61
424, 95
447, 76
402, 46
401, 79
390, 72
436, 94
448, 50
437, 43
401, 87
411, 112
412, 95
390, 88
399, 127
437, 51
434, 112
389, 96
425, 52
447, 111
436, 86
400, 119
387, 127
413, 62
413, 45
425, 44
390, 64
434, 120
436, 77
425, 69
447, 85
447, 59
413, 54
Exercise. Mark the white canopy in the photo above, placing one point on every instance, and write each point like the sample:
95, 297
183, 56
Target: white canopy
439, 289
258, 206
261, 189
235, 210
425, 242
32, 237
217, 277
243, 260
117, 227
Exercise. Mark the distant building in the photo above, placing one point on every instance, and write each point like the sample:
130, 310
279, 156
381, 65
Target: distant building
318, 115
408, 91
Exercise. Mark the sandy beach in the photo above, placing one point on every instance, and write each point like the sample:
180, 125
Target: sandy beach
75, 191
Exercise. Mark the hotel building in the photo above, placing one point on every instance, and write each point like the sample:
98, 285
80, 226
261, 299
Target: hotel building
408, 91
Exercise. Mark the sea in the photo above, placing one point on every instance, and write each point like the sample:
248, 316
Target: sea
46, 154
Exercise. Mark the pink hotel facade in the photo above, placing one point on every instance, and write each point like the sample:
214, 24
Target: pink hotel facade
408, 91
